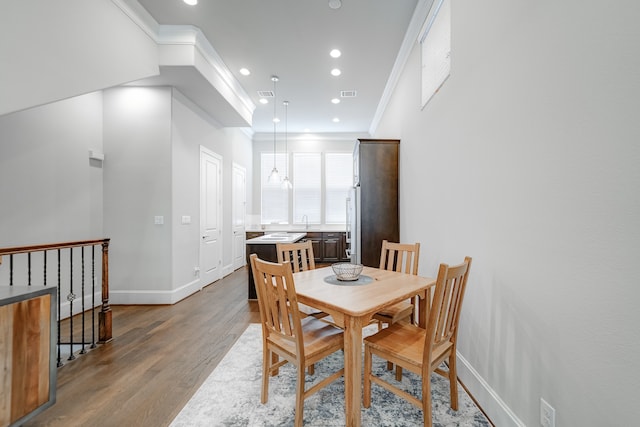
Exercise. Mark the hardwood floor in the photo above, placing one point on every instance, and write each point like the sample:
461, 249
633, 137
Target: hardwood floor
159, 357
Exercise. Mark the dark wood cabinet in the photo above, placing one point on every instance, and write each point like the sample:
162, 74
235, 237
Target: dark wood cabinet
316, 242
332, 247
377, 173
254, 234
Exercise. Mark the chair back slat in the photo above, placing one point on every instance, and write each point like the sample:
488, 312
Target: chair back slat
400, 257
277, 299
444, 313
299, 255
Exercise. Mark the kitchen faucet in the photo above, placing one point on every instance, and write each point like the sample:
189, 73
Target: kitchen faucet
305, 218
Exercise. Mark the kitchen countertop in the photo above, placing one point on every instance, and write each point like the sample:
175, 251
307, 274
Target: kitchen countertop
273, 238
297, 229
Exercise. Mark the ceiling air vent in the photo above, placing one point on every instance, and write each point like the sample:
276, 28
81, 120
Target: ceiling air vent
265, 93
348, 93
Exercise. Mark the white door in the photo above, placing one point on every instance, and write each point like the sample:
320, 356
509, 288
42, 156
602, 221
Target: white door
210, 216
239, 197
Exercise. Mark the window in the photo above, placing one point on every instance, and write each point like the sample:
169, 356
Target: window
275, 200
338, 180
321, 183
307, 187
435, 40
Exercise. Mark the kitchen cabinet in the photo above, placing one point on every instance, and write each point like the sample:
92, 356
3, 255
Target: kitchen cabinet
316, 241
332, 247
253, 234
265, 248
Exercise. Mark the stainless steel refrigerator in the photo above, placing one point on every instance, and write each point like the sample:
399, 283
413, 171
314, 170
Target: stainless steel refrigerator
353, 226
372, 204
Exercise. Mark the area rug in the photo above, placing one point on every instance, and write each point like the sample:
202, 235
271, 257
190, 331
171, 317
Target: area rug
230, 396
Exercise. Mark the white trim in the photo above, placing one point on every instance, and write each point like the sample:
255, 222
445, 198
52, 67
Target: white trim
495, 408
77, 304
227, 270
140, 297
216, 72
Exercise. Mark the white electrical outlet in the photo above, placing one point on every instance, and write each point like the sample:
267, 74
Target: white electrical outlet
547, 414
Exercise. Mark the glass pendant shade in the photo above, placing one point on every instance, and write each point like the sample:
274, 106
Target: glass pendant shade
274, 176
286, 182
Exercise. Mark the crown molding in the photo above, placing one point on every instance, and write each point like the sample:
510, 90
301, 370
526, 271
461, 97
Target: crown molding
212, 67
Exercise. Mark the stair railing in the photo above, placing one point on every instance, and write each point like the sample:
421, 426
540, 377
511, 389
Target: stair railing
28, 266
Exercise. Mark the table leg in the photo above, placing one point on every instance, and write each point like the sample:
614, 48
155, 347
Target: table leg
353, 370
424, 304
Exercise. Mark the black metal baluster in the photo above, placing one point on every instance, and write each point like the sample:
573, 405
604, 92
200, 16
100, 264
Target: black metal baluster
44, 254
29, 268
70, 298
93, 296
83, 351
59, 290
11, 270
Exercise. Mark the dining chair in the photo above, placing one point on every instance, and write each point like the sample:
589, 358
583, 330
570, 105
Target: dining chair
286, 334
300, 256
401, 257
423, 351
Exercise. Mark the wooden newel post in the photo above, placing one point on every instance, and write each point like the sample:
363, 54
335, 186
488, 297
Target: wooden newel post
104, 318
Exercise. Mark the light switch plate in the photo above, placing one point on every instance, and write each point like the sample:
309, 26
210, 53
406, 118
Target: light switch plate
158, 220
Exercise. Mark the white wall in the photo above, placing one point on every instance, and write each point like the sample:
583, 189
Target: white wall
192, 128
527, 160
54, 50
137, 188
51, 191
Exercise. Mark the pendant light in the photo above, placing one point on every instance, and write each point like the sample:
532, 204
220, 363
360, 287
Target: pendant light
274, 177
286, 182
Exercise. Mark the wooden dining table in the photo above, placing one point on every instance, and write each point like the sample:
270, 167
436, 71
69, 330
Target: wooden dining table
352, 306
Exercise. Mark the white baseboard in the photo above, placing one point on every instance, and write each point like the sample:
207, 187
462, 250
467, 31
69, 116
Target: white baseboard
156, 297
65, 305
227, 270
492, 405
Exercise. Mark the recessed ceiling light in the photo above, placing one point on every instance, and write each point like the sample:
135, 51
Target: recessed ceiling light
335, 4
336, 120
336, 72
264, 101
335, 53
191, 2
244, 71
335, 101
276, 120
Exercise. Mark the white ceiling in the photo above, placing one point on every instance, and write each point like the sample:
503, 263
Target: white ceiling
292, 39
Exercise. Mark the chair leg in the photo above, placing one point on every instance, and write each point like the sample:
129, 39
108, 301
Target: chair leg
426, 402
266, 369
274, 359
453, 380
366, 398
398, 373
299, 397
311, 369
